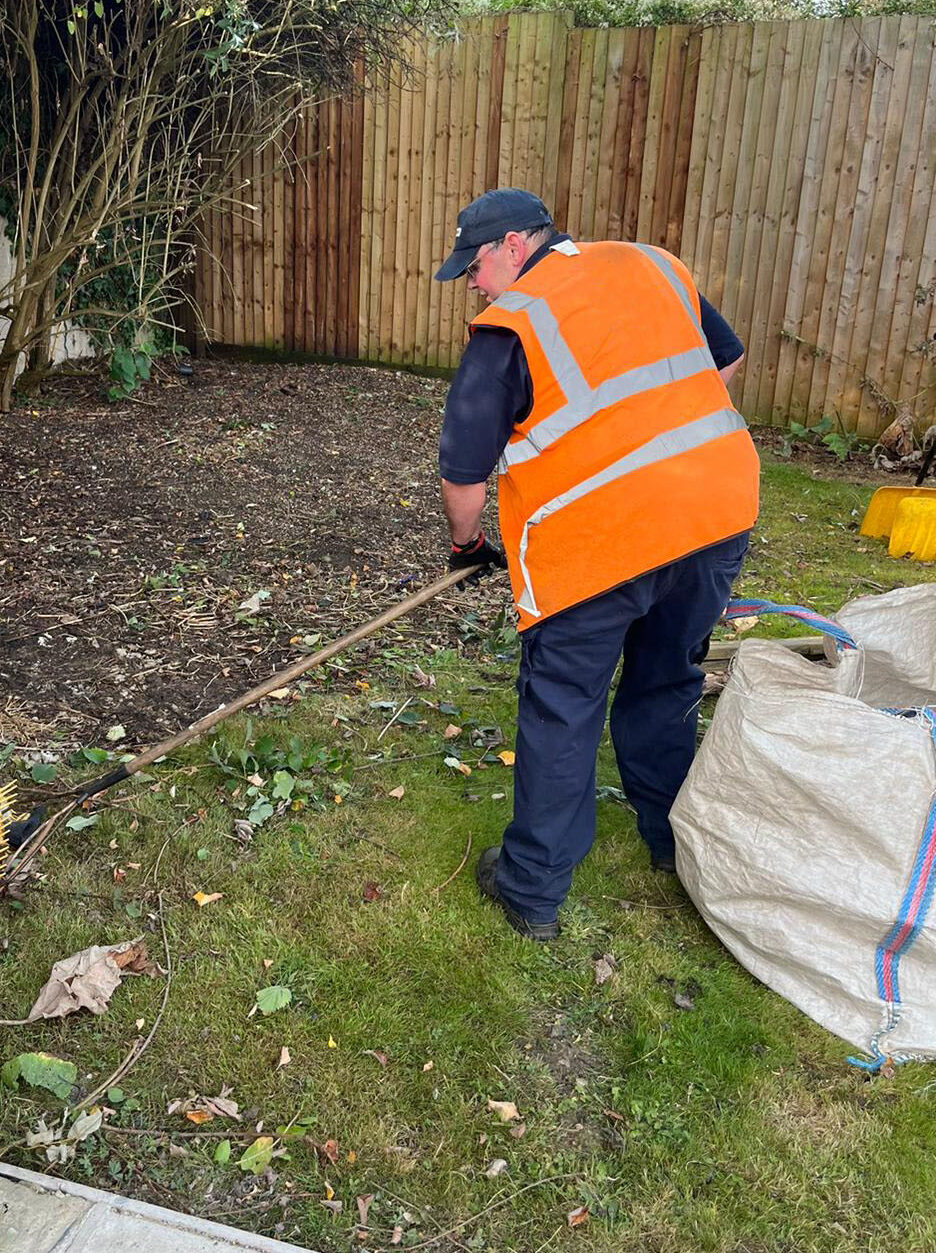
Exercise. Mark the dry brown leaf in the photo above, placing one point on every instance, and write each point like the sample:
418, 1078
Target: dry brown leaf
267, 963
739, 625
505, 1110
87, 979
376, 1053
198, 1116
497, 1167
329, 1151
206, 898
508, 757
518, 1131
284, 1058
397, 1235
578, 1217
370, 892
280, 693
428, 1066
363, 1207
398, 793
451, 731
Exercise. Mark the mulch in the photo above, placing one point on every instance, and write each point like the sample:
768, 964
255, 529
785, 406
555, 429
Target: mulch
132, 533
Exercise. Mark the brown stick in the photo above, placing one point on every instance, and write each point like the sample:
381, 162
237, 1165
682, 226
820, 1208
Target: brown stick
280, 679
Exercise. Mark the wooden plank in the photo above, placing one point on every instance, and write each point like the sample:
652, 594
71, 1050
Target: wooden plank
760, 237
505, 164
580, 134
721, 54
622, 60
523, 105
593, 134
803, 64
391, 206
237, 258
682, 147
834, 122
850, 155
860, 247
807, 234
899, 343
412, 261
290, 313
450, 201
728, 166
614, 61
441, 239
279, 284
567, 130
269, 321
381, 127
895, 183
637, 145
667, 134
345, 122
701, 131
334, 243
652, 149
465, 304
401, 223
427, 263
256, 246
312, 229
300, 234
539, 72
357, 214
744, 175
498, 64
555, 90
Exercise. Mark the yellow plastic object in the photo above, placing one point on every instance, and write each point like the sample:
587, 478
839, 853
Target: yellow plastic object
882, 509
914, 531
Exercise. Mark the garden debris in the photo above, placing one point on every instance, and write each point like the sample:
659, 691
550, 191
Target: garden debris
377, 1055
505, 1110
199, 1109
206, 898
41, 1070
605, 966
284, 1058
87, 979
59, 1142
497, 1167
398, 793
578, 1217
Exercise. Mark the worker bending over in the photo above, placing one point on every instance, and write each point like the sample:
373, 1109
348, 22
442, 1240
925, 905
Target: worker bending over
595, 381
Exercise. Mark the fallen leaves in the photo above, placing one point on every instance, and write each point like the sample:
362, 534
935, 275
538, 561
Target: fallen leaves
508, 757
451, 731
206, 898
577, 1217
370, 892
505, 1110
398, 793
284, 1058
41, 1070
497, 1167
257, 1156
453, 763
377, 1055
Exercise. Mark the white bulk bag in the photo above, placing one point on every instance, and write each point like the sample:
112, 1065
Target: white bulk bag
806, 829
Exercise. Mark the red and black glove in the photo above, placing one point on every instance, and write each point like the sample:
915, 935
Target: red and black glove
477, 552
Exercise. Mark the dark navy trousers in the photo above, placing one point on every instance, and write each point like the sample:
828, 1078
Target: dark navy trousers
658, 626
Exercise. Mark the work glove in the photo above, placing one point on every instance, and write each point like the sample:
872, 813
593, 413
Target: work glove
477, 552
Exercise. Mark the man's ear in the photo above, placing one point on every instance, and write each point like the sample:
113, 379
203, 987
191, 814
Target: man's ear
516, 245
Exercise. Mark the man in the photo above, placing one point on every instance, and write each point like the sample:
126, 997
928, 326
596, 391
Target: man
596, 381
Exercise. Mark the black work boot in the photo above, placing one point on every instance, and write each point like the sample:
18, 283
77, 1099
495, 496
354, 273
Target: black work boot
485, 874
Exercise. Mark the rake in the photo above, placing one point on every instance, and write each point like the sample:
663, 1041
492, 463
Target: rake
33, 832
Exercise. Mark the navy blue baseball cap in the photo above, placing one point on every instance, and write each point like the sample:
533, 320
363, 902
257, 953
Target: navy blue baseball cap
490, 217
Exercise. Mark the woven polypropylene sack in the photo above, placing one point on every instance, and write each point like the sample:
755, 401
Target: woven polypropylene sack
806, 829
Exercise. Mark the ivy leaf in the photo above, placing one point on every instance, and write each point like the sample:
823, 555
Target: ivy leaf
258, 1155
42, 773
222, 1153
41, 1070
97, 756
283, 784
272, 998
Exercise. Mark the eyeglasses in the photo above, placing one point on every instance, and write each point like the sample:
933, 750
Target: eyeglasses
472, 270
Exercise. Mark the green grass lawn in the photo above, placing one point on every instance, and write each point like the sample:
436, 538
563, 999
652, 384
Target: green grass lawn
688, 1107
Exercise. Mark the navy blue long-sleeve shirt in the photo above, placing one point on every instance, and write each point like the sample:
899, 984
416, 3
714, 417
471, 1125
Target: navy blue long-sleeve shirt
492, 390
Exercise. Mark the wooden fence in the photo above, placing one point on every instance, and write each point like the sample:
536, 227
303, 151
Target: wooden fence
790, 164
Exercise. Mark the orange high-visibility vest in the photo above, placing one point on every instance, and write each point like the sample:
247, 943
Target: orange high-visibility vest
632, 455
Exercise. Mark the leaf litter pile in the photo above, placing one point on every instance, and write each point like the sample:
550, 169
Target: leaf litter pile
161, 556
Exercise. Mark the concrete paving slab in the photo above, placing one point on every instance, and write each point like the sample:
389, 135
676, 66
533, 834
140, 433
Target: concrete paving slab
42, 1214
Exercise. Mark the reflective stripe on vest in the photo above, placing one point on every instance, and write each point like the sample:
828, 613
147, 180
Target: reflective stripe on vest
667, 444
582, 401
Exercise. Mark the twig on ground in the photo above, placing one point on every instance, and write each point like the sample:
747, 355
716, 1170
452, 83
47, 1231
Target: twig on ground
393, 761
457, 870
409, 700
504, 1200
